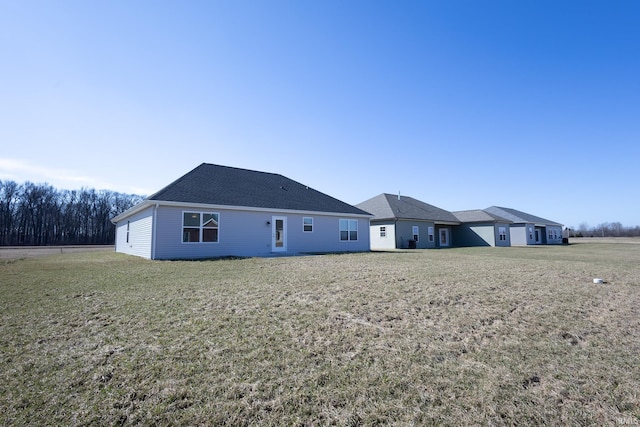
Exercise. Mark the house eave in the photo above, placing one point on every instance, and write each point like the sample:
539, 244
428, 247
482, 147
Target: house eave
133, 210
436, 222
147, 203
446, 223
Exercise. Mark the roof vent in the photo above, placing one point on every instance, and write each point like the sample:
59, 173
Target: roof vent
398, 195
282, 188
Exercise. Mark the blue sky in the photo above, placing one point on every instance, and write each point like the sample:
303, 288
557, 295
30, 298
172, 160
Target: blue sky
533, 105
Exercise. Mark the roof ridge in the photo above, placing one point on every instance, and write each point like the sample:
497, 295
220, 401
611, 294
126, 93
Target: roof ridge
239, 169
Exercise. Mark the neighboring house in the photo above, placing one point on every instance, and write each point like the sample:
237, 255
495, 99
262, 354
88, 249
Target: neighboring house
527, 229
403, 222
216, 211
480, 228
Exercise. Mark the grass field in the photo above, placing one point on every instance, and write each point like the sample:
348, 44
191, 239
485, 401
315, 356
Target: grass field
489, 336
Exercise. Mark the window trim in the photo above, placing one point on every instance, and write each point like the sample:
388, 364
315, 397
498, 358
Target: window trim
201, 227
502, 234
307, 225
431, 234
415, 231
348, 230
383, 231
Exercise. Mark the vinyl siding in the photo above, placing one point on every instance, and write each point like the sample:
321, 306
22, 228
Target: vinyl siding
246, 233
140, 231
558, 234
499, 242
404, 233
476, 235
452, 237
382, 243
525, 234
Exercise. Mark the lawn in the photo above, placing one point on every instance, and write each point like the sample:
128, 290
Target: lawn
499, 336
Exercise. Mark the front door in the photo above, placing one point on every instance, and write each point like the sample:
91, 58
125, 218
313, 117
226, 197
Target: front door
444, 237
279, 234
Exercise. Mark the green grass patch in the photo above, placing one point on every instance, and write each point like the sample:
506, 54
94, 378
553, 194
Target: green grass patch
499, 336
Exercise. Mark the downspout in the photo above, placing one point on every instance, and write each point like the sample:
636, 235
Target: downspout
115, 244
153, 231
395, 234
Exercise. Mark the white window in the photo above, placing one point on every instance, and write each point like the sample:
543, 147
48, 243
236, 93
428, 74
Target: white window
550, 234
348, 229
502, 233
200, 227
127, 231
383, 231
530, 233
415, 230
430, 232
307, 224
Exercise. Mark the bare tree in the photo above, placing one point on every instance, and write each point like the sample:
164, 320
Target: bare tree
38, 214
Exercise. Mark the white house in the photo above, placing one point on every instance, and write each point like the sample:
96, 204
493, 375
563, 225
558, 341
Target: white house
216, 211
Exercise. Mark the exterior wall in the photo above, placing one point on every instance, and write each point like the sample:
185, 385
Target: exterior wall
382, 243
246, 233
404, 233
140, 234
556, 234
451, 229
518, 234
525, 234
503, 243
476, 235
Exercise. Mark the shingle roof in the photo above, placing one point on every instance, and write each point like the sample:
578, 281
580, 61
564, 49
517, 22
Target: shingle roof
516, 216
477, 215
390, 206
229, 186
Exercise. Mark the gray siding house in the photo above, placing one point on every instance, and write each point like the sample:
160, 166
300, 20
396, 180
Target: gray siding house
480, 228
401, 222
527, 229
216, 211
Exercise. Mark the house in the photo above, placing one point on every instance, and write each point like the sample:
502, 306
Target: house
216, 211
480, 228
527, 229
403, 222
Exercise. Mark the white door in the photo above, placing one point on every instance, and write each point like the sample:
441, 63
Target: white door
444, 237
279, 234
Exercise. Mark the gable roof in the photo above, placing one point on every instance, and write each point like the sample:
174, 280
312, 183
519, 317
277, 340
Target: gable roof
517, 216
390, 206
228, 186
477, 215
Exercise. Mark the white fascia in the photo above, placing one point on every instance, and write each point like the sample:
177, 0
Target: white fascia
244, 208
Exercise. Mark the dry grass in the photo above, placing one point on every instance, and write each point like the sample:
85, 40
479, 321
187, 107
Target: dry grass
21, 252
494, 336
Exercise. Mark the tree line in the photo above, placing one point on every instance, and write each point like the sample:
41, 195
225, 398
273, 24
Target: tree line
40, 215
606, 229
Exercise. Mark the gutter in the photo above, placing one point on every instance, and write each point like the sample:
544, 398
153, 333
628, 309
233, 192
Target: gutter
146, 203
